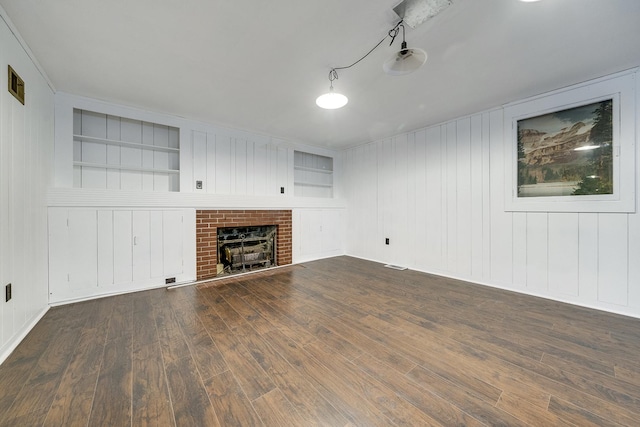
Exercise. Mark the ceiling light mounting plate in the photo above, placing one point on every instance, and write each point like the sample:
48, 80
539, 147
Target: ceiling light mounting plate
415, 12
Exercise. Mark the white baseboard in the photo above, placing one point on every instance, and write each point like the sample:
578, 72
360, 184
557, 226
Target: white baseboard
8, 348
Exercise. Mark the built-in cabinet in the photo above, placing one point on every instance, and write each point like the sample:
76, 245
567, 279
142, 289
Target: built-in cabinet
95, 251
318, 233
118, 153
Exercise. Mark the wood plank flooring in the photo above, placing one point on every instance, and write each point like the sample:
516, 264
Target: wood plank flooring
335, 342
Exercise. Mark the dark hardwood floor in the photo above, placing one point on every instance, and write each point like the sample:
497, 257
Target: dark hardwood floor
333, 342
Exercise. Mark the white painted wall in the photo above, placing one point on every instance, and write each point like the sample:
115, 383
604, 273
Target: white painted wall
438, 194
228, 162
26, 149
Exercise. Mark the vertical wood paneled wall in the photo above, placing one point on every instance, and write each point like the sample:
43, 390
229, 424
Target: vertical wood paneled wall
227, 163
438, 195
26, 150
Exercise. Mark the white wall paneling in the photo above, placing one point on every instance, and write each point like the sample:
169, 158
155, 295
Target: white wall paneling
26, 150
501, 236
440, 192
363, 236
450, 228
317, 233
434, 254
564, 253
96, 252
242, 164
476, 188
613, 259
464, 200
537, 251
419, 215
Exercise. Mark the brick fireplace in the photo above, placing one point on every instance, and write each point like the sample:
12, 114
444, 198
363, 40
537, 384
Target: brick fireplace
208, 221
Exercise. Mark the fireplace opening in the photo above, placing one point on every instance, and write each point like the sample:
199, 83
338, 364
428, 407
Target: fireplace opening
242, 249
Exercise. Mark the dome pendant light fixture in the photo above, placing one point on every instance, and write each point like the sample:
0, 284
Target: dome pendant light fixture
332, 100
406, 60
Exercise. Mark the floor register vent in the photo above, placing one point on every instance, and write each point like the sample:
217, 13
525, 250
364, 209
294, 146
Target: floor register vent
395, 267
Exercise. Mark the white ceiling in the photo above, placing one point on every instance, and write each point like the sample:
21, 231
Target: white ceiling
259, 65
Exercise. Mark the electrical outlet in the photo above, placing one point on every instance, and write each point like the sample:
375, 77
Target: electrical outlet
7, 292
386, 241
169, 280
281, 190
198, 185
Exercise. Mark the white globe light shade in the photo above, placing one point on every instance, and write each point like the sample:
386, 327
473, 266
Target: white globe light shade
331, 101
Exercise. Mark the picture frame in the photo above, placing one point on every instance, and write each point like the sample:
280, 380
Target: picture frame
573, 150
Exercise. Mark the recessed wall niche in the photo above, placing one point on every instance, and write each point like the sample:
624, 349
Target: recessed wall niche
118, 153
312, 175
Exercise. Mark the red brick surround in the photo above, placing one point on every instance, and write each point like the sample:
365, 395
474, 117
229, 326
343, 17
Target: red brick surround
208, 221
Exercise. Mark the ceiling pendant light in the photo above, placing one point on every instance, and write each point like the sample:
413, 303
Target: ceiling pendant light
406, 60
332, 100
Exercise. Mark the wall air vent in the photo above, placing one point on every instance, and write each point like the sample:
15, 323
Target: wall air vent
16, 85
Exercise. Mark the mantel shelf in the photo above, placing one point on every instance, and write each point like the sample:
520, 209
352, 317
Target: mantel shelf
126, 168
125, 144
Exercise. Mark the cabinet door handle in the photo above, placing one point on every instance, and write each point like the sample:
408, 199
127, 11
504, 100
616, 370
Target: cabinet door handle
135, 240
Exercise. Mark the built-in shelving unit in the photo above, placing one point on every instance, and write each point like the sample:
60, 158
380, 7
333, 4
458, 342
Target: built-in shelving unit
125, 144
313, 175
119, 153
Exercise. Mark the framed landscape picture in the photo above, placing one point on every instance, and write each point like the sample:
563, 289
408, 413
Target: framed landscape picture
567, 152
573, 150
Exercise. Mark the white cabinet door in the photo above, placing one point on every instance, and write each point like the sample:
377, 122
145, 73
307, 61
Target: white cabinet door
318, 233
122, 247
311, 229
105, 251
141, 260
332, 232
173, 244
72, 252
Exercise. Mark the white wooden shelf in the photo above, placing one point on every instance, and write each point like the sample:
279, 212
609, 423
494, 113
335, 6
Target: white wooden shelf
126, 168
308, 169
125, 144
313, 175
103, 142
313, 184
